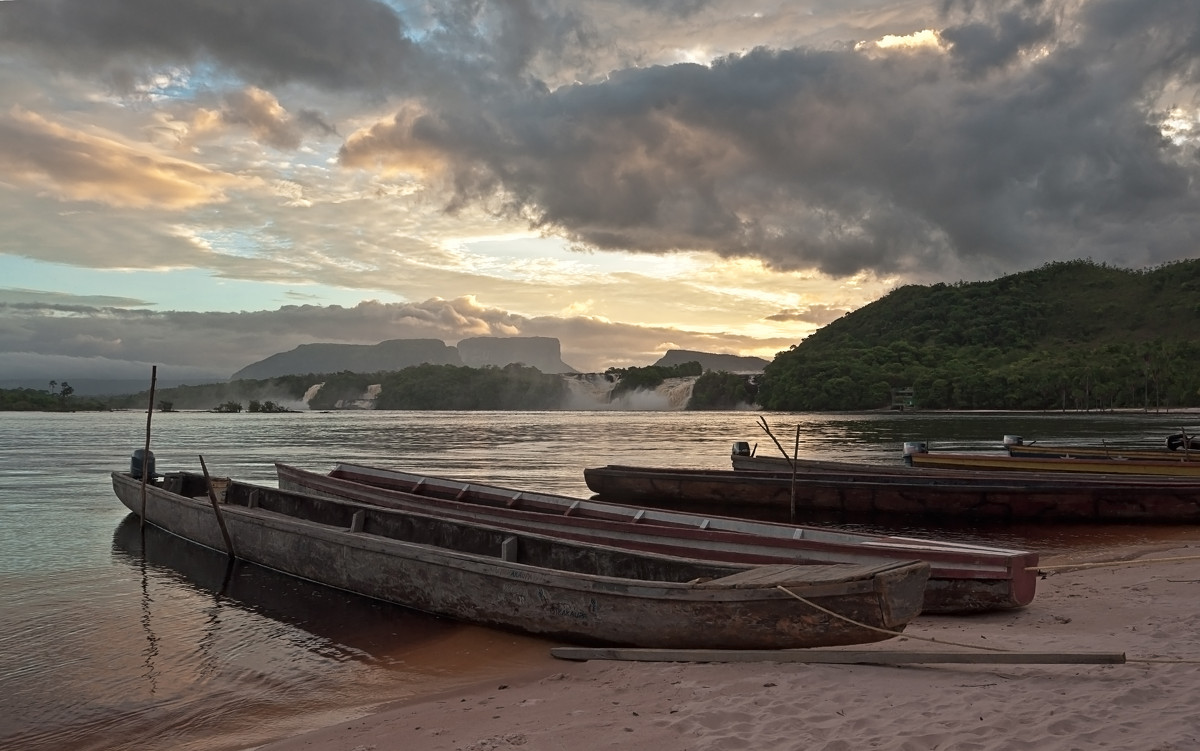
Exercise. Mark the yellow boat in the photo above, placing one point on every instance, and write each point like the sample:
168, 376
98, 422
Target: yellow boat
1175, 450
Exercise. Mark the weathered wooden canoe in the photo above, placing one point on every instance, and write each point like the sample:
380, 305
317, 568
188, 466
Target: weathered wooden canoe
1007, 497
963, 577
858, 471
536, 584
784, 465
1091, 465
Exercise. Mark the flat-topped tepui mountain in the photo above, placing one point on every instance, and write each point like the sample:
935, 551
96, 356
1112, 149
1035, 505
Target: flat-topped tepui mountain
543, 353
709, 361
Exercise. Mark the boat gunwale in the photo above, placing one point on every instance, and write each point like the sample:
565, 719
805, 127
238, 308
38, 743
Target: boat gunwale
950, 550
472, 561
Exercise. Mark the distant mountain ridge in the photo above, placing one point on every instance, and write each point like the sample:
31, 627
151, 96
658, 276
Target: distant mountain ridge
543, 353
709, 361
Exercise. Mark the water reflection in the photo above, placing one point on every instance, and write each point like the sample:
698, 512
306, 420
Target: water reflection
107, 648
214, 656
326, 622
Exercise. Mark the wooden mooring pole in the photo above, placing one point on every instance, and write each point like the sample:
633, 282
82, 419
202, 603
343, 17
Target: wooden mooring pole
146, 450
212, 497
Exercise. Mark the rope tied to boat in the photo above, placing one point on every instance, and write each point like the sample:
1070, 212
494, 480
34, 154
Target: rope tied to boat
900, 634
1107, 564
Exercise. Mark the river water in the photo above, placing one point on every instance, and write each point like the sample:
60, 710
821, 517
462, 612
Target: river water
117, 637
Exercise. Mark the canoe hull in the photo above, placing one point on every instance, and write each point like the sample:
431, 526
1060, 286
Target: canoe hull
326, 548
986, 498
963, 578
1164, 467
1182, 453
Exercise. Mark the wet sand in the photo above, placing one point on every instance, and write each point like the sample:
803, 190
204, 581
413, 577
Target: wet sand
1147, 607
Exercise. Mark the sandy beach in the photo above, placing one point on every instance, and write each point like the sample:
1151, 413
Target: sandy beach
1145, 607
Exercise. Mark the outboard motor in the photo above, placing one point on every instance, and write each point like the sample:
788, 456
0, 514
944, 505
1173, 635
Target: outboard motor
141, 458
741, 448
1013, 440
1183, 441
914, 447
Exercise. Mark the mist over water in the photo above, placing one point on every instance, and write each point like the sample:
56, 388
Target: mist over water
117, 637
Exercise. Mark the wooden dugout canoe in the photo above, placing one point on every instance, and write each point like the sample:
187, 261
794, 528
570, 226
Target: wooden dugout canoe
989, 496
859, 471
1039, 450
1165, 467
963, 577
535, 584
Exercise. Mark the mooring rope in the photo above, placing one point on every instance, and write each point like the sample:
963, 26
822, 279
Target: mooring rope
1103, 564
902, 635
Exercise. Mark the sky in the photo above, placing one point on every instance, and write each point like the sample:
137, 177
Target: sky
199, 184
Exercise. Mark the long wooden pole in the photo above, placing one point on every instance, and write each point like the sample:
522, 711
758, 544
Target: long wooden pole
762, 421
212, 497
795, 461
146, 450
838, 657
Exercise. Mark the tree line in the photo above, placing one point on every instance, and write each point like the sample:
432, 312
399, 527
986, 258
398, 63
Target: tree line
420, 387
1068, 336
59, 398
1072, 335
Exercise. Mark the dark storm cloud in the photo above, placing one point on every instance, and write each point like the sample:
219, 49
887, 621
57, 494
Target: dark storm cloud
982, 46
331, 44
1033, 135
1036, 136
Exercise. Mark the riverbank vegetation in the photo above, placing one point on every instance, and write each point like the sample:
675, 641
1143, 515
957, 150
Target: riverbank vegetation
37, 400
649, 377
1067, 336
1070, 336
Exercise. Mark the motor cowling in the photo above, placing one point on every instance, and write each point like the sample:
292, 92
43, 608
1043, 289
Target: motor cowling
1183, 440
142, 459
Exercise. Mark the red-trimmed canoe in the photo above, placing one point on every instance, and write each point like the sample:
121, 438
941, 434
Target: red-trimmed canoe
546, 586
963, 577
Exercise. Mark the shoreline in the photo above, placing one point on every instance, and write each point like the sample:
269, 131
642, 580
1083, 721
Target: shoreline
1145, 606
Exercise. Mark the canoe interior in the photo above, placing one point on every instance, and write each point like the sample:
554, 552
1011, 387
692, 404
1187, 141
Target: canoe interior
506, 544
964, 578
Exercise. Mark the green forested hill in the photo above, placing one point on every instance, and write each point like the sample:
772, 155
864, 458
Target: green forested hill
1074, 335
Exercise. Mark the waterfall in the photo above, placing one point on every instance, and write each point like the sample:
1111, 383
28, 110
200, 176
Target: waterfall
586, 391
594, 391
677, 391
589, 390
312, 392
366, 401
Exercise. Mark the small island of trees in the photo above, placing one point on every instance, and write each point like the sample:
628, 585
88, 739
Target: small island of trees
60, 397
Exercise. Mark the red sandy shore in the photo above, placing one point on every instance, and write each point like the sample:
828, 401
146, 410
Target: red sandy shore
1147, 608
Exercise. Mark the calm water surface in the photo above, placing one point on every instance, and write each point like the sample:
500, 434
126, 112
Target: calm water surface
117, 637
